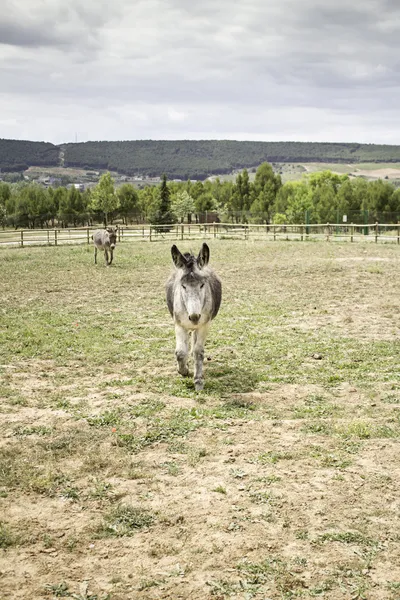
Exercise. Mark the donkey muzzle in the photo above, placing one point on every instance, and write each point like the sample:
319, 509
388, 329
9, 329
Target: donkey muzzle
194, 318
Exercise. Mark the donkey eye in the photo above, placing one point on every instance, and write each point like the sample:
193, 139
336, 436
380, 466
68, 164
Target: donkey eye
202, 285
184, 286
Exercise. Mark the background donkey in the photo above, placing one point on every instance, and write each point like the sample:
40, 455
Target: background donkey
193, 298
105, 239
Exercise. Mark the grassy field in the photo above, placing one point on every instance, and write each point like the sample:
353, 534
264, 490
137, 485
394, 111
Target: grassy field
280, 480
296, 171
289, 171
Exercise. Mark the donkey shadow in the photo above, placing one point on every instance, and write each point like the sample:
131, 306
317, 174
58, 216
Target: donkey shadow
223, 380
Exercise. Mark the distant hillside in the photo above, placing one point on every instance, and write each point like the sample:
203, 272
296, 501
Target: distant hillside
198, 159
18, 155
184, 159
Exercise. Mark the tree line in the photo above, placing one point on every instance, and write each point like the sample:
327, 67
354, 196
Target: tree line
18, 155
319, 197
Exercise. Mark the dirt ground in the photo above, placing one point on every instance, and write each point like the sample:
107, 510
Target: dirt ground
280, 480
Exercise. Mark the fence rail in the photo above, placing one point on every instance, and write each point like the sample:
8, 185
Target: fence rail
152, 233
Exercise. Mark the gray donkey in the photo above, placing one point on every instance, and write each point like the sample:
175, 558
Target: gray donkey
193, 298
106, 240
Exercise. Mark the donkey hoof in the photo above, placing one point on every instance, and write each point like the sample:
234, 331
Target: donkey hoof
184, 371
198, 385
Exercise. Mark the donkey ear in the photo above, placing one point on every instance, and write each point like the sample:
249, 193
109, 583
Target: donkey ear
177, 257
204, 255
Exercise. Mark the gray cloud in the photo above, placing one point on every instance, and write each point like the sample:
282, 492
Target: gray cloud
173, 69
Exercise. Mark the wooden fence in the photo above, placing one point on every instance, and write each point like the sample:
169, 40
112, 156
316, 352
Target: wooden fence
151, 233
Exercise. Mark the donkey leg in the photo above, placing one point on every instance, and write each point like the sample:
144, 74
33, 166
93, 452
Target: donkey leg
106, 256
199, 338
182, 349
95, 255
111, 256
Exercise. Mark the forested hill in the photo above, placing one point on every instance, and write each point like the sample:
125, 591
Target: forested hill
198, 159
183, 159
18, 155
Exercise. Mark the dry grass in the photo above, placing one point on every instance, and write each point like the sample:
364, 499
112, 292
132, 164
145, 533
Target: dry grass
280, 480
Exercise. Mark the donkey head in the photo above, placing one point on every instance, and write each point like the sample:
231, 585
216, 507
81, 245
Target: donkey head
187, 260
192, 280
112, 236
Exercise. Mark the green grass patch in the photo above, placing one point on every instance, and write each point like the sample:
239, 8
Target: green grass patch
7, 538
125, 520
346, 537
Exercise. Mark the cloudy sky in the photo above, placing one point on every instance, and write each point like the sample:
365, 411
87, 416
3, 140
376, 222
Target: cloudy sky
307, 70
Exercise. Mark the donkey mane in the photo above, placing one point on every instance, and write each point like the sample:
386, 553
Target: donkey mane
191, 261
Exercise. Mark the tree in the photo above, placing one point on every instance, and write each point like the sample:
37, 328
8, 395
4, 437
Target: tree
128, 201
325, 204
379, 197
263, 192
31, 205
345, 199
149, 200
246, 189
240, 200
61, 197
104, 198
5, 194
325, 187
326, 178
183, 206
205, 202
163, 215
263, 202
359, 196
396, 200
294, 199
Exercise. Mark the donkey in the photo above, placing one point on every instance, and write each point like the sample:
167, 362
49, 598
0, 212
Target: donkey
105, 239
193, 296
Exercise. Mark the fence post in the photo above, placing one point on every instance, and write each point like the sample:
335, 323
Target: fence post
351, 231
119, 234
55, 237
327, 232
398, 232
48, 237
150, 231
22, 238
376, 231
182, 230
87, 233
215, 233
301, 233
274, 231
